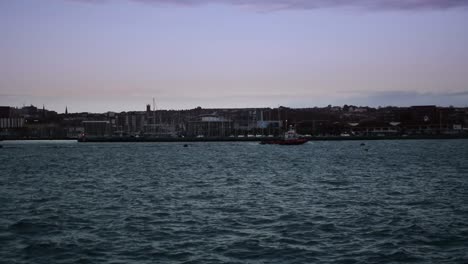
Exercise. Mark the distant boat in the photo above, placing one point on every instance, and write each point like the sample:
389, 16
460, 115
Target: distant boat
290, 138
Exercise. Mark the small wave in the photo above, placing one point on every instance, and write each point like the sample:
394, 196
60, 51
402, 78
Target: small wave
31, 227
93, 204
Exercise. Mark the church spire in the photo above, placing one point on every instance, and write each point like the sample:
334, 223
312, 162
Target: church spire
66, 110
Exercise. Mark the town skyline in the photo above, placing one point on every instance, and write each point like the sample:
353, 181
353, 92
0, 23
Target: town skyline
31, 122
151, 108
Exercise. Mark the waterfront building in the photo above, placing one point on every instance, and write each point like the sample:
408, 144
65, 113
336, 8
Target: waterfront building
97, 128
210, 126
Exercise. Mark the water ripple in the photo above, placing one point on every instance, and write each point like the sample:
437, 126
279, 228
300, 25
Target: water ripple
322, 202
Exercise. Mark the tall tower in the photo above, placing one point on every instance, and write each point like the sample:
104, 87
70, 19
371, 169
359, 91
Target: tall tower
66, 110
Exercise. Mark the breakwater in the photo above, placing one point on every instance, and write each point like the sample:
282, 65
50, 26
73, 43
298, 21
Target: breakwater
258, 139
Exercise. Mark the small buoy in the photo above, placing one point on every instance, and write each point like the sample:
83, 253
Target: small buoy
362, 144
185, 145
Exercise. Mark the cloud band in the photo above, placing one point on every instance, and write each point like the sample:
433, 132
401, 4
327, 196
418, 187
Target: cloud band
315, 4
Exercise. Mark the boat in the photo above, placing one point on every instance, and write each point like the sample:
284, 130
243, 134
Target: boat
290, 138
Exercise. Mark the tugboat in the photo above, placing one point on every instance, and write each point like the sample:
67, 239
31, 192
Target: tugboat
290, 138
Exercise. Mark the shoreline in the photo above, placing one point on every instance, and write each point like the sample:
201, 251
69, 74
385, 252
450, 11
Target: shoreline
324, 138
228, 139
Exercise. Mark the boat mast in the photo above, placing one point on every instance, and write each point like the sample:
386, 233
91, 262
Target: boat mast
279, 121
154, 116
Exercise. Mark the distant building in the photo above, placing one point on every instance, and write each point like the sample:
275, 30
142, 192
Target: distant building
130, 122
29, 111
97, 128
9, 121
425, 114
5, 111
210, 126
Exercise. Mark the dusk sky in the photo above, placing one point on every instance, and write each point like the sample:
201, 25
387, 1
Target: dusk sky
116, 55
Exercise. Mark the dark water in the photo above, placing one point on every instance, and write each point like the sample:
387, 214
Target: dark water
323, 202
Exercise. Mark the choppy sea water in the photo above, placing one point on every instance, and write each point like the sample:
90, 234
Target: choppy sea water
322, 202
